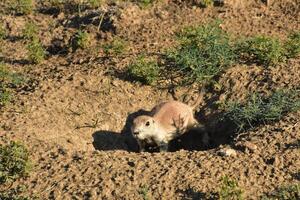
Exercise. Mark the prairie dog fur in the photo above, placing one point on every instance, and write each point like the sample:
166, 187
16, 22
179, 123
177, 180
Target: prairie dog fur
166, 121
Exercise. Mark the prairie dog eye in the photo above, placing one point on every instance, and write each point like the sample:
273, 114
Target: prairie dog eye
147, 123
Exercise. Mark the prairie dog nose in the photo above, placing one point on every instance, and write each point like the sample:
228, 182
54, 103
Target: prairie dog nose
136, 133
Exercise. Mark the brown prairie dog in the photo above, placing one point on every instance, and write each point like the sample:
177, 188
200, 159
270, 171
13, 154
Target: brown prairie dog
167, 121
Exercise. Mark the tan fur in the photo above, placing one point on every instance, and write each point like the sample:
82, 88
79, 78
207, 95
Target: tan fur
167, 121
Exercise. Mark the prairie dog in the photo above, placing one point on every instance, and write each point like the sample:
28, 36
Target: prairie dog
166, 121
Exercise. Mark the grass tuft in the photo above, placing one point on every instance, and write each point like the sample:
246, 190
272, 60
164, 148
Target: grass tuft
291, 192
230, 190
117, 46
292, 45
30, 31
22, 7
81, 40
144, 70
36, 52
204, 52
259, 109
14, 162
267, 51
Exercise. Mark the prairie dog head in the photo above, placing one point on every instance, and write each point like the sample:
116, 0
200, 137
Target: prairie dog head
143, 127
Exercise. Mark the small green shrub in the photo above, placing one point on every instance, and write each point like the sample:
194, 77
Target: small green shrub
291, 192
81, 40
117, 46
15, 194
36, 52
292, 45
14, 162
145, 3
144, 192
23, 7
230, 190
203, 53
2, 31
261, 49
206, 3
144, 70
95, 3
30, 31
259, 109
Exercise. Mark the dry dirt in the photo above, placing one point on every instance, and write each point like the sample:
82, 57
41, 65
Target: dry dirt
72, 113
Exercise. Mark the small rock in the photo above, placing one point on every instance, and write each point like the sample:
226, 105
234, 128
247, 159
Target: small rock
227, 152
248, 146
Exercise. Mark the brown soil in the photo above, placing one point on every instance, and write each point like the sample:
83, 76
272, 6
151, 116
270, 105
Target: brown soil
72, 112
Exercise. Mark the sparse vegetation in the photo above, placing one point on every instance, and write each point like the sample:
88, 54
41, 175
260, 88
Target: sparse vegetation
259, 109
81, 40
291, 192
292, 45
22, 7
203, 53
229, 190
144, 192
14, 194
14, 162
30, 31
206, 3
2, 31
117, 46
144, 70
263, 50
36, 52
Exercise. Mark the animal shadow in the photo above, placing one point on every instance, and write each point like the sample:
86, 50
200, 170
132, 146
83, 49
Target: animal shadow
108, 140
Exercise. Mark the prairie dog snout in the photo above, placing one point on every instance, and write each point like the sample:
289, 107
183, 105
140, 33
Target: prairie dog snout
166, 121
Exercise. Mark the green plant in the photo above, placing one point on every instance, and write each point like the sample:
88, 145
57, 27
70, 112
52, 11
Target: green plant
143, 191
95, 3
291, 192
230, 190
36, 52
206, 3
145, 3
81, 40
117, 46
259, 109
144, 70
23, 7
15, 193
261, 49
2, 32
203, 53
14, 162
30, 31
292, 45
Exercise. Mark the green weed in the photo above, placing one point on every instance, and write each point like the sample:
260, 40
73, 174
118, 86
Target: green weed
36, 52
2, 31
259, 109
117, 46
15, 194
23, 7
145, 3
81, 40
230, 190
291, 192
143, 191
14, 162
203, 53
292, 45
206, 3
30, 31
261, 49
95, 3
144, 70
